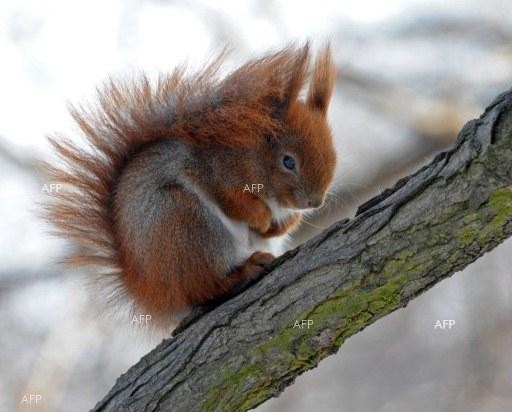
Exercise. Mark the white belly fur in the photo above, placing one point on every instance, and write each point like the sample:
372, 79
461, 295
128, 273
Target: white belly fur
247, 241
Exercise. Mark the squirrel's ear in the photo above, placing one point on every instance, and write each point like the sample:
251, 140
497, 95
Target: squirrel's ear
287, 73
295, 75
322, 82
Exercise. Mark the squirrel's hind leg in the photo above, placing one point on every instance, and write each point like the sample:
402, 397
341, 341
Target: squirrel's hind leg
253, 268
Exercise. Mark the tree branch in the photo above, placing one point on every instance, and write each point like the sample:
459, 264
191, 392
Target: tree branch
428, 226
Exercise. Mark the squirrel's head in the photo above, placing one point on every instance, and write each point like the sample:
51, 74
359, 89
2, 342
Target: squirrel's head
285, 138
301, 156
302, 160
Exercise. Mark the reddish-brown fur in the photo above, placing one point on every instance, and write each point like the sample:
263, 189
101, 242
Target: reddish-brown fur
237, 111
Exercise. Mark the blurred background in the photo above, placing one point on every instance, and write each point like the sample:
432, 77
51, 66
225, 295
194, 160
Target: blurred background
411, 73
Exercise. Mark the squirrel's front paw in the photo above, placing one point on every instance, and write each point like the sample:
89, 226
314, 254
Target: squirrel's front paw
280, 228
260, 219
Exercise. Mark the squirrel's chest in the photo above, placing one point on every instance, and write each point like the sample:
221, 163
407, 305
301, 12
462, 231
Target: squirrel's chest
245, 241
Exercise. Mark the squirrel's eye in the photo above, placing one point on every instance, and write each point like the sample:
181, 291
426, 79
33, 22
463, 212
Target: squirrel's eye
289, 162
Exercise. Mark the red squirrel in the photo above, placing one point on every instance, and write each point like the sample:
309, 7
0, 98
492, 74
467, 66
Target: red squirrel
158, 197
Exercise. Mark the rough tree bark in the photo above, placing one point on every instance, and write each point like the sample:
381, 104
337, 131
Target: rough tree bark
400, 243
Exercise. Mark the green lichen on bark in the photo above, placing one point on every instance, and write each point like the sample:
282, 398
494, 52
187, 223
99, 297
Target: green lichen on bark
490, 222
296, 350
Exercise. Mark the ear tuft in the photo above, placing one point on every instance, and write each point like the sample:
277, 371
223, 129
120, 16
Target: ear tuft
295, 74
272, 82
286, 76
322, 82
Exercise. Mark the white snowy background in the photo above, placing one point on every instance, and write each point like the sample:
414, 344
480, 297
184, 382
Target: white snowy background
411, 73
